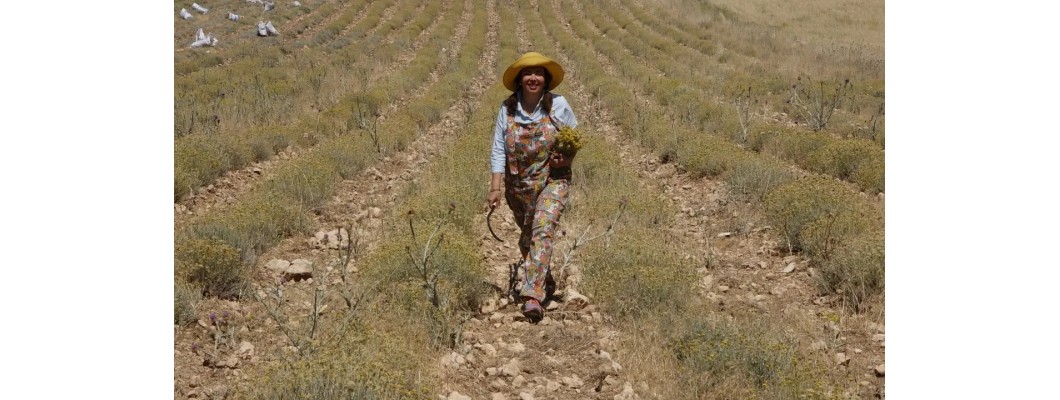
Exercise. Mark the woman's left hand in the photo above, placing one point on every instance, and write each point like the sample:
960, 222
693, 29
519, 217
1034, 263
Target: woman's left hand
559, 160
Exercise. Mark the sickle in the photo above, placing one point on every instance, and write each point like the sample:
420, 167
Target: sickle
491, 226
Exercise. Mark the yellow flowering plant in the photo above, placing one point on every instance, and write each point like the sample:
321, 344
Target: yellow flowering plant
569, 141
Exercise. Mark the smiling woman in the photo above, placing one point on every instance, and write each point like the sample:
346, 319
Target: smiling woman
536, 178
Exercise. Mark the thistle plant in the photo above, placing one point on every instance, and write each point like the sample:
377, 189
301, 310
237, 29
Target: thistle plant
816, 105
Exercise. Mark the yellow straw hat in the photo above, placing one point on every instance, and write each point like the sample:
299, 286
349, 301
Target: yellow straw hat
532, 59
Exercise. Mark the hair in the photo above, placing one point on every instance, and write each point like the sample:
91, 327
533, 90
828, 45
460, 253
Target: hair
546, 99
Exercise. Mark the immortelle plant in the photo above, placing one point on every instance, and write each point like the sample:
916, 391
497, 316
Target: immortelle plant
569, 141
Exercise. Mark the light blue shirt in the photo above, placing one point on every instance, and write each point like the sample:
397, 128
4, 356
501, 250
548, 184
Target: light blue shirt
561, 113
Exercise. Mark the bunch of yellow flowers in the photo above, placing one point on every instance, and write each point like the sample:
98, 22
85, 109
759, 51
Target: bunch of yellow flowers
569, 141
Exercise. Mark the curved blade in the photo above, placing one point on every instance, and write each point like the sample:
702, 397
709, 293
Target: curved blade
488, 225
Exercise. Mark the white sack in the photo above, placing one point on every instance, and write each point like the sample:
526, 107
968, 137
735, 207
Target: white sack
185, 14
198, 8
200, 35
202, 39
272, 30
266, 29
269, 6
232, 16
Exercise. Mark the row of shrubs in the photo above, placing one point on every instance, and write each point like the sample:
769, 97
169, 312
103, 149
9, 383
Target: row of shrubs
642, 280
754, 176
394, 354
269, 111
855, 160
280, 207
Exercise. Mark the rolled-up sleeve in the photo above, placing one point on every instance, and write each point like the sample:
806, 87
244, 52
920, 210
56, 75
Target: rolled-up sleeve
497, 156
562, 112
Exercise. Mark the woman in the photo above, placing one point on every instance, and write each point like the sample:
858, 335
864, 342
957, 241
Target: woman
536, 179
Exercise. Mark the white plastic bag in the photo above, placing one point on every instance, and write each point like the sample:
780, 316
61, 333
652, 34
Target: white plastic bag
297, 4
269, 6
198, 8
232, 16
202, 39
272, 29
184, 14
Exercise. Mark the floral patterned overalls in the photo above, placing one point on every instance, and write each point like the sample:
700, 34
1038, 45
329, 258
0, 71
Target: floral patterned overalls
536, 195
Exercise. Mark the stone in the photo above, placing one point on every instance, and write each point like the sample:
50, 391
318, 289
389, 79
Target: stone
245, 349
878, 370
789, 269
300, 269
723, 288
375, 212
454, 395
511, 368
498, 384
724, 234
453, 360
518, 381
627, 393
707, 282
841, 359
333, 239
516, 347
610, 380
878, 337
573, 381
552, 386
487, 349
498, 396
491, 371
760, 297
525, 396
277, 265
575, 300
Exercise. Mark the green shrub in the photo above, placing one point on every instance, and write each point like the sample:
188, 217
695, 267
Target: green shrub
730, 359
856, 270
214, 266
637, 276
252, 225
831, 209
751, 178
870, 175
843, 158
310, 182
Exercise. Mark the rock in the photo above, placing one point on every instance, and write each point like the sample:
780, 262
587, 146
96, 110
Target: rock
552, 305
665, 171
707, 282
723, 288
789, 268
627, 393
574, 300
333, 239
299, 269
245, 349
573, 381
453, 360
454, 395
525, 396
878, 370
516, 347
878, 337
610, 380
491, 371
498, 384
375, 212
511, 368
487, 348
841, 359
519, 324
518, 381
724, 234
278, 265
498, 396
760, 297
552, 386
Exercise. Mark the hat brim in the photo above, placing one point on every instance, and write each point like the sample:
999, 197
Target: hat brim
532, 59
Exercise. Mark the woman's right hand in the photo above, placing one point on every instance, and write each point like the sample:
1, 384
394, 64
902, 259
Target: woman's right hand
493, 199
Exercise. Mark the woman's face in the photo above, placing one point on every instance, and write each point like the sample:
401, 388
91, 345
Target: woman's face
532, 80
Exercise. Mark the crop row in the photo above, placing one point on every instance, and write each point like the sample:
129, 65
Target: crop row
819, 216
280, 207
855, 160
271, 106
